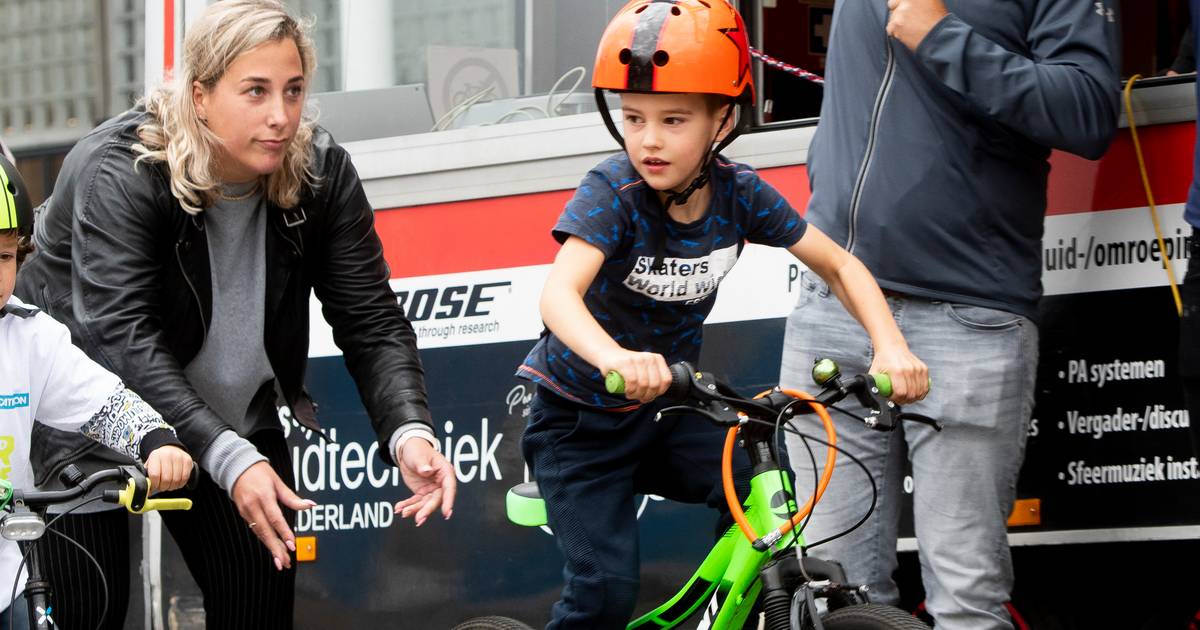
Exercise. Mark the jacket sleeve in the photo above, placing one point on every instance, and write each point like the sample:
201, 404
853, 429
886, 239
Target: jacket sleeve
351, 281
1064, 95
79, 395
115, 280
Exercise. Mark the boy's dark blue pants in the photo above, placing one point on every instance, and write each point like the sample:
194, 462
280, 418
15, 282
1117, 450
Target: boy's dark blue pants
589, 465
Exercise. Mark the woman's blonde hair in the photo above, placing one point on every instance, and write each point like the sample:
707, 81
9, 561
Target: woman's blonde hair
175, 134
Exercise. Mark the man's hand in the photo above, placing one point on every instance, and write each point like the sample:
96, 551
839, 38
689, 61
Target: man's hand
258, 492
911, 20
168, 468
430, 477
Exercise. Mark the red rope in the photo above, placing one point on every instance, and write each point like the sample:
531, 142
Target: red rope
786, 67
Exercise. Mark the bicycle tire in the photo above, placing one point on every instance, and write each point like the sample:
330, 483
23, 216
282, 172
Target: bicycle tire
871, 617
491, 623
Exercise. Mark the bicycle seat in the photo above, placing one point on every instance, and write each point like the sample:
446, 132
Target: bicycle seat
525, 506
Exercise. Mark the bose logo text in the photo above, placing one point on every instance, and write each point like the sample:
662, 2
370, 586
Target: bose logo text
449, 302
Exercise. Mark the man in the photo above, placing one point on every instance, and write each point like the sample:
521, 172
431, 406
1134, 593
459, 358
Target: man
929, 164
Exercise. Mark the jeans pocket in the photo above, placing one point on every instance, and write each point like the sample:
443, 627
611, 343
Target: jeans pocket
811, 287
982, 318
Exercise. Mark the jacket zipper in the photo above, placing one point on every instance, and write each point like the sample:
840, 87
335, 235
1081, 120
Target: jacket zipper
195, 293
864, 168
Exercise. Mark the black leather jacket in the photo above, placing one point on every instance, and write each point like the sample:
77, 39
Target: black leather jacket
127, 270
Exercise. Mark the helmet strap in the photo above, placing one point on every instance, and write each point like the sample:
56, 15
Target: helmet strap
602, 106
681, 197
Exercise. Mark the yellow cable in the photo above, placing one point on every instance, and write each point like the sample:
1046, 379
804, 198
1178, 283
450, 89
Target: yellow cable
1137, 149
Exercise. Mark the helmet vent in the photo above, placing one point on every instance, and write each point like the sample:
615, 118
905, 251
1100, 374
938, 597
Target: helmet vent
675, 11
642, 8
661, 58
625, 56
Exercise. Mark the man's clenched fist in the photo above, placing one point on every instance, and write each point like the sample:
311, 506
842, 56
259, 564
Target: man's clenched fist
911, 20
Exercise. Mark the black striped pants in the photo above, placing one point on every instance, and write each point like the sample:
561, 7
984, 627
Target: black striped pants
233, 569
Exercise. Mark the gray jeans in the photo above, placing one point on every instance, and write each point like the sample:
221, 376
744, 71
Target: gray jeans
983, 363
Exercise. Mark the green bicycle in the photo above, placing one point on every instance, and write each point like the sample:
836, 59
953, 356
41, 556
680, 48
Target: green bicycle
761, 558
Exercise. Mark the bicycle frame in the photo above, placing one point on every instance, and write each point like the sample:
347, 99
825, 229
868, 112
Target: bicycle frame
727, 580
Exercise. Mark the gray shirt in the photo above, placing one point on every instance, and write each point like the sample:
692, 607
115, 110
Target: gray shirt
232, 365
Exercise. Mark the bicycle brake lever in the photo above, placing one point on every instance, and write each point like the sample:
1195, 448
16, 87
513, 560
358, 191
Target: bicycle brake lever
713, 415
884, 414
916, 417
140, 487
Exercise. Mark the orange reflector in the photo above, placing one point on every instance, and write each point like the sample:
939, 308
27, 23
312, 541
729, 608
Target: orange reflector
1026, 512
306, 548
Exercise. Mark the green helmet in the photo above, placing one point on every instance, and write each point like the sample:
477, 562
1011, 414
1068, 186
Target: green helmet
16, 208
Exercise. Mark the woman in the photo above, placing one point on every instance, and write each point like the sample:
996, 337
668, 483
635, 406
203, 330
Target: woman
180, 245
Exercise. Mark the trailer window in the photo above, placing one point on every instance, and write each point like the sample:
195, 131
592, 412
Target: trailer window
1155, 38
797, 33
412, 67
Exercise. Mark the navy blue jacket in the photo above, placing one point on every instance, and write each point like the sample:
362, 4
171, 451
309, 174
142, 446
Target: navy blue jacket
931, 166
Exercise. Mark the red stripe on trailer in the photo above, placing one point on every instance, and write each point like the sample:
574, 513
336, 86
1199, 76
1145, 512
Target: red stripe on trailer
501, 232
514, 231
1114, 182
470, 235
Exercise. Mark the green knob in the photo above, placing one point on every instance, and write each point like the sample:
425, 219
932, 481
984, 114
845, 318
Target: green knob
614, 383
824, 370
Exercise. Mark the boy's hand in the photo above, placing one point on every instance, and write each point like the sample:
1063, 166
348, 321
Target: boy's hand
910, 376
911, 20
645, 373
168, 468
430, 477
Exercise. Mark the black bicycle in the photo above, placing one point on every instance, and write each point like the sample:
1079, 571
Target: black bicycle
24, 521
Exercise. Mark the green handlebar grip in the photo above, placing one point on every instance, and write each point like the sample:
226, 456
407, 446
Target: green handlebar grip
614, 383
883, 383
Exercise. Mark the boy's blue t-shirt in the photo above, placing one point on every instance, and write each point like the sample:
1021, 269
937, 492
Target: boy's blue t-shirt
660, 309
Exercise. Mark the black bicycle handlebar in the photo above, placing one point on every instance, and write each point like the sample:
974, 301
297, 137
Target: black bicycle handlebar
721, 403
135, 496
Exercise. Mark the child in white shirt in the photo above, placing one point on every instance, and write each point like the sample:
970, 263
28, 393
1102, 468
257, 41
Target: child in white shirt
44, 378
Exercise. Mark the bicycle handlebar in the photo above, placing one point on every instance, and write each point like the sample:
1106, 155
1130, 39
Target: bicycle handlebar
720, 403
701, 393
134, 497
823, 370
688, 385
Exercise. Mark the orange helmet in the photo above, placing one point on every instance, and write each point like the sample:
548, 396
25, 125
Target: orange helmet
695, 46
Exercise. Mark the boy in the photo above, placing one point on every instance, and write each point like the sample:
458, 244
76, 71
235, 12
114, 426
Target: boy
645, 241
45, 378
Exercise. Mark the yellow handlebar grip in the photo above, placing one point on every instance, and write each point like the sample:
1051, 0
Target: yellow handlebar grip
167, 504
125, 498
